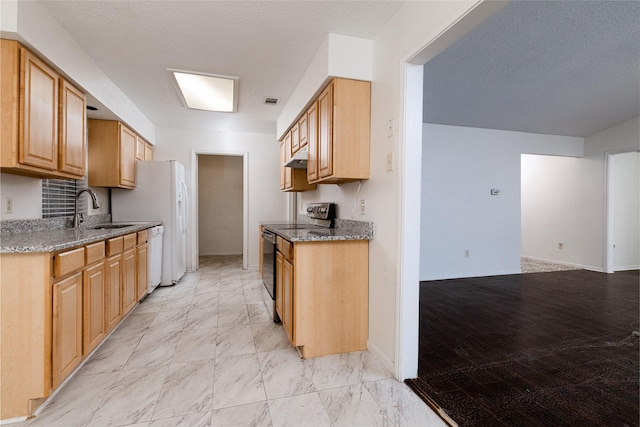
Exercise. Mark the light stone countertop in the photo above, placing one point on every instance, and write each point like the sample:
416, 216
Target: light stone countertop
54, 240
344, 230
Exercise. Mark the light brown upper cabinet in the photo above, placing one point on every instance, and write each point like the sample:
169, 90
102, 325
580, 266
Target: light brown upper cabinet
340, 152
141, 146
148, 151
144, 150
43, 118
112, 154
72, 129
292, 179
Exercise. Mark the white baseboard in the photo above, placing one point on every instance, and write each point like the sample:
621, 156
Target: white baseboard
220, 253
12, 420
473, 274
627, 268
380, 357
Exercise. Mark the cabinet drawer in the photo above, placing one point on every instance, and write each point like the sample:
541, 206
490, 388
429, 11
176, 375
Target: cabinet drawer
286, 248
115, 245
142, 236
130, 241
68, 262
93, 252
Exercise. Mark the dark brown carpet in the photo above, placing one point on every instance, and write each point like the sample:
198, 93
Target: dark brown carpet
543, 349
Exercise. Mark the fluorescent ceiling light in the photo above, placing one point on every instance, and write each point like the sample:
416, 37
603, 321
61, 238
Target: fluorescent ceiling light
207, 91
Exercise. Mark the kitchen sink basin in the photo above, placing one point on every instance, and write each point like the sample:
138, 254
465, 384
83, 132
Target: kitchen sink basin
109, 226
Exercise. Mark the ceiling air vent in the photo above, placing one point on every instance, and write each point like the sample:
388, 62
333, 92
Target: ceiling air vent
271, 101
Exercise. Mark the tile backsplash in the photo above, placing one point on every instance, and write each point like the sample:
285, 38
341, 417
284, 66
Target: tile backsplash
58, 197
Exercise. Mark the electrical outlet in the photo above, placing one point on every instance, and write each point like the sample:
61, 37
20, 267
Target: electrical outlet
466, 253
7, 205
363, 207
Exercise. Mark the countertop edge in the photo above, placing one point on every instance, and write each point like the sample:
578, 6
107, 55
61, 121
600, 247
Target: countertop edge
79, 241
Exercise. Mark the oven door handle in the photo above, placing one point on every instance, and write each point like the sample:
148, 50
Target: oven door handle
269, 235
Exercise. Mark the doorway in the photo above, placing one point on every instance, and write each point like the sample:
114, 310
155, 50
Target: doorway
622, 246
220, 206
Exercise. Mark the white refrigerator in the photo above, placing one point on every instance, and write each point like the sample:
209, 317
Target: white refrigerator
160, 195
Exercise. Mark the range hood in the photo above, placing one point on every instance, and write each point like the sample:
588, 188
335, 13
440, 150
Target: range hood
299, 160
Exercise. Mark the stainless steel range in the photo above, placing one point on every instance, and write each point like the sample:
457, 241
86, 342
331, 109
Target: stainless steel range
319, 216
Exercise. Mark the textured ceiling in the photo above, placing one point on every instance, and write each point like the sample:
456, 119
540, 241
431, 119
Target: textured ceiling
555, 67
268, 45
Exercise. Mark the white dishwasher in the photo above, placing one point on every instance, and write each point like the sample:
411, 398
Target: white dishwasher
155, 256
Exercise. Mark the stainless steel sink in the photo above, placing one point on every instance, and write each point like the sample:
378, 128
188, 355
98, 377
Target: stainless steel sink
109, 226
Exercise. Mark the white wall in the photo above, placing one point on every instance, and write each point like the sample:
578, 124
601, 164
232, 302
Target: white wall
31, 23
266, 201
414, 26
220, 205
460, 166
338, 56
564, 200
626, 211
26, 195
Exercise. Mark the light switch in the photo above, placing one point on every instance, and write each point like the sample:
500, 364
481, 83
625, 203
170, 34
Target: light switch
390, 161
390, 129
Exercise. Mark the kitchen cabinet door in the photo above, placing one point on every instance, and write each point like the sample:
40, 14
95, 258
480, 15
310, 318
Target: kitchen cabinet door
312, 142
72, 130
279, 281
112, 154
39, 115
283, 159
94, 306
128, 142
148, 152
303, 131
288, 184
141, 146
67, 327
325, 134
287, 300
295, 139
128, 280
113, 308
142, 266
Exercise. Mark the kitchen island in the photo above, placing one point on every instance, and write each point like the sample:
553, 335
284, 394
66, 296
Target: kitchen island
322, 285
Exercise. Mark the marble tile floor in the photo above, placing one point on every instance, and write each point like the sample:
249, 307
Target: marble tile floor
205, 353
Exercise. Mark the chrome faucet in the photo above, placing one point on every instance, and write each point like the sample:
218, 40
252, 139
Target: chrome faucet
76, 216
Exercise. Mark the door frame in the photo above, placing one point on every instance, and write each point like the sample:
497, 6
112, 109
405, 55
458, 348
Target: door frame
609, 172
409, 182
195, 248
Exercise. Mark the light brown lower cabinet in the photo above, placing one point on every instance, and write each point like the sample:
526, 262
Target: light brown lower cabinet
142, 265
67, 327
113, 307
142, 269
129, 290
55, 308
279, 281
324, 295
287, 296
94, 306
